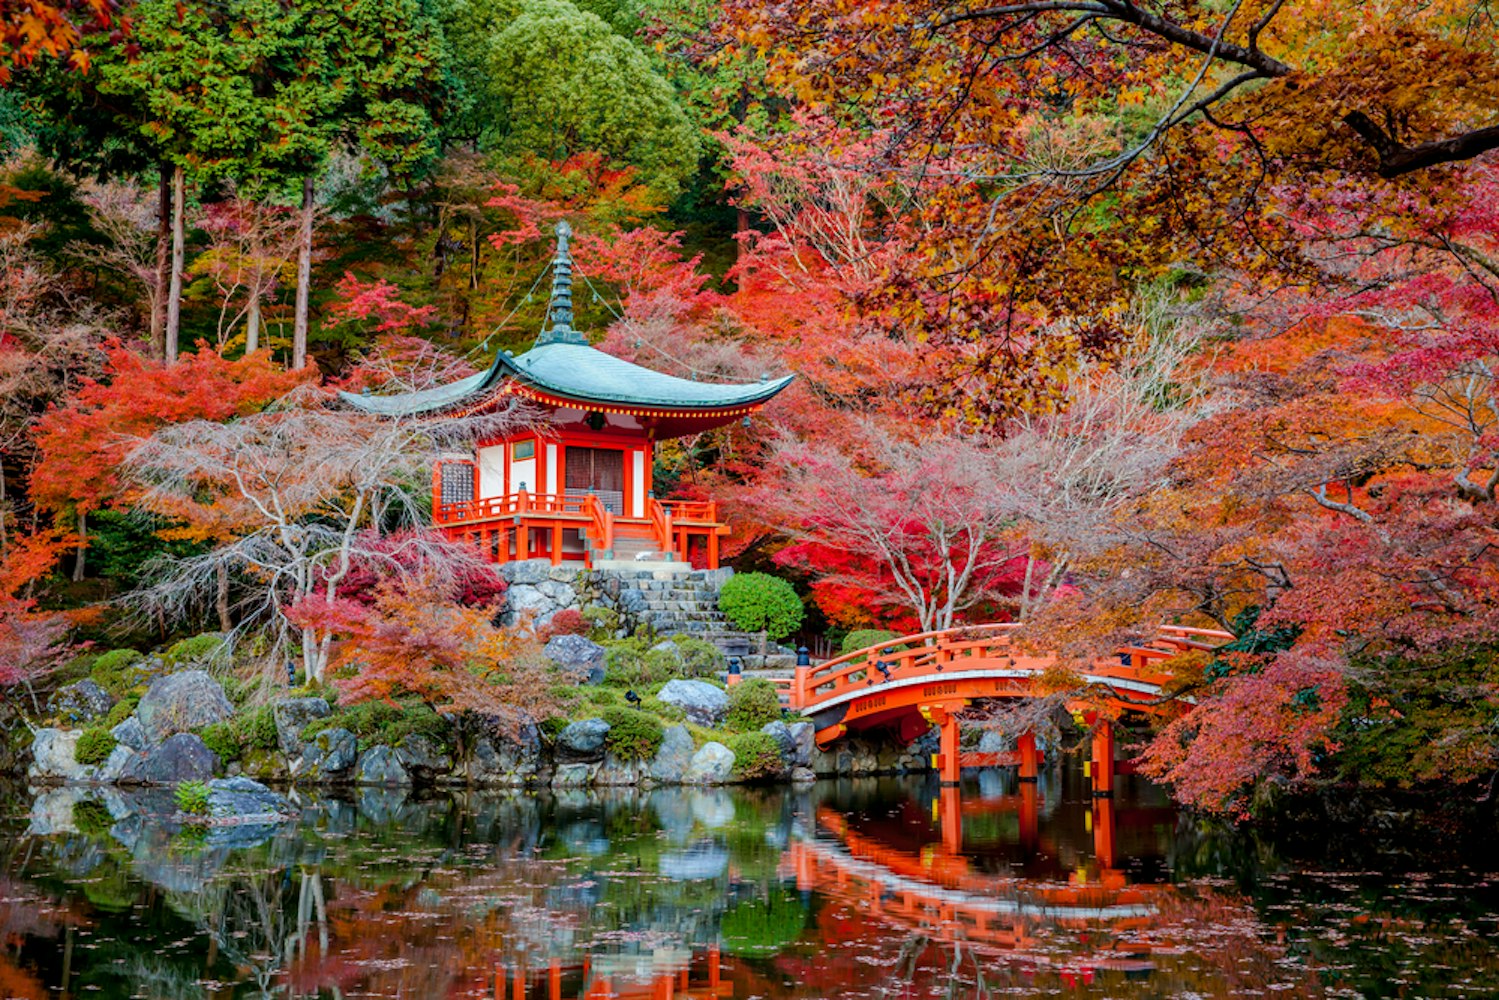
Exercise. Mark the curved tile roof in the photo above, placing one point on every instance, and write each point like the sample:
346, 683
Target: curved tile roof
575, 372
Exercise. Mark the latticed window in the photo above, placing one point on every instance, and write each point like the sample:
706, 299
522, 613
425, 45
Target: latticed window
456, 482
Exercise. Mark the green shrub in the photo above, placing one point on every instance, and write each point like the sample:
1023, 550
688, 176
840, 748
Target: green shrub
257, 729
122, 709
700, 658
112, 670
379, 722
632, 662
757, 756
632, 735
761, 928
92, 818
192, 798
863, 637
602, 622
759, 602
552, 727
752, 704
199, 649
222, 738
94, 746
602, 696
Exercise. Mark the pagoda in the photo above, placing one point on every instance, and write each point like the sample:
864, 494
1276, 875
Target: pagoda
575, 486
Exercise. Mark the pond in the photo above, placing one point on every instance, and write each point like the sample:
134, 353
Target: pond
853, 888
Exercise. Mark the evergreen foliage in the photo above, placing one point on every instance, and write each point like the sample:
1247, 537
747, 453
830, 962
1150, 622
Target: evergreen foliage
759, 602
752, 704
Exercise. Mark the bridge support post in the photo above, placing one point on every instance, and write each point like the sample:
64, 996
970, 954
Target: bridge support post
950, 819
1030, 816
1030, 759
1102, 770
951, 771
1103, 832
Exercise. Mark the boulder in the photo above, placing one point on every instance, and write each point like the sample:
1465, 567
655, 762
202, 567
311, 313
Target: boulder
176, 703
711, 765
674, 756
180, 757
803, 776
505, 755
52, 756
994, 741
583, 740
529, 571
579, 655
803, 743
329, 755
700, 861
423, 758
246, 801
130, 734
381, 766
704, 703
617, 771
576, 775
82, 702
292, 715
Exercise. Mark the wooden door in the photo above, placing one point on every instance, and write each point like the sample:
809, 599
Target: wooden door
600, 470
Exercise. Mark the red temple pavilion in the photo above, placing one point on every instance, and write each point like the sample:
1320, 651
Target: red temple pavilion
575, 487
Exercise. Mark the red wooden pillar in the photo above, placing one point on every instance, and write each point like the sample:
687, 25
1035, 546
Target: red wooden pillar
554, 980
556, 552
1103, 832
1103, 759
1030, 815
518, 990
522, 542
713, 969
1030, 759
713, 549
950, 819
951, 771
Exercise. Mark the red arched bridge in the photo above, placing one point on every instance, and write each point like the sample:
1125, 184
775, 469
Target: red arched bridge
917, 681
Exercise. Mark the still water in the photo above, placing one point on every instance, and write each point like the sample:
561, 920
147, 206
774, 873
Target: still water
864, 888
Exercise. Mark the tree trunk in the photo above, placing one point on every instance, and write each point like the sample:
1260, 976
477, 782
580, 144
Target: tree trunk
174, 289
222, 599
252, 317
82, 545
163, 261
304, 278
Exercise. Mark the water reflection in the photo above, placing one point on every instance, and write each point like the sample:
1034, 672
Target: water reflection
879, 887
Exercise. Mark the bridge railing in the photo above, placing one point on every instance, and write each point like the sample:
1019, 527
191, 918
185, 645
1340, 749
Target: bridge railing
974, 647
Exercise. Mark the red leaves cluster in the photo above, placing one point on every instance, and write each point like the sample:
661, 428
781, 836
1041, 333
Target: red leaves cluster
82, 443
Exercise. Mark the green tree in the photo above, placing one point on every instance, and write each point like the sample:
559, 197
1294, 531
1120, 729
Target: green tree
548, 79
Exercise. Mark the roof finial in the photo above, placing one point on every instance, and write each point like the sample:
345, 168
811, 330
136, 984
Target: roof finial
560, 311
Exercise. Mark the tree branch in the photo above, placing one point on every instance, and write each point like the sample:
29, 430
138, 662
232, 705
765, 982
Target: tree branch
1396, 159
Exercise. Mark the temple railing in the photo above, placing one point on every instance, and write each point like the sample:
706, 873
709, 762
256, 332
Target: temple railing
675, 523
601, 524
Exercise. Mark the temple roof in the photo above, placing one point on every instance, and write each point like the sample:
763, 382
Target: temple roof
564, 367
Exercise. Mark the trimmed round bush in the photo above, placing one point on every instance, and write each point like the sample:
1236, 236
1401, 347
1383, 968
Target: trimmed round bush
122, 710
94, 746
567, 622
759, 602
752, 704
223, 739
757, 756
632, 735
700, 658
864, 637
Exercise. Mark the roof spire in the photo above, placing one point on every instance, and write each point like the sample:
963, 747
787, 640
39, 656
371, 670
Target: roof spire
560, 311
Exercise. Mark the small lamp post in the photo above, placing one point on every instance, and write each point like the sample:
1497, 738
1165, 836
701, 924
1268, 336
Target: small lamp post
803, 656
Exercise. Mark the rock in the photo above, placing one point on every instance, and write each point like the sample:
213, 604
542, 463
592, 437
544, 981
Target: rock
615, 771
505, 755
583, 740
381, 766
803, 743
182, 701
632, 601
291, 715
577, 654
178, 758
711, 765
423, 758
803, 775
674, 756
560, 594
82, 702
264, 765
246, 801
781, 733
329, 755
525, 601
573, 775
529, 571
130, 734
993, 741
700, 861
704, 704
52, 756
